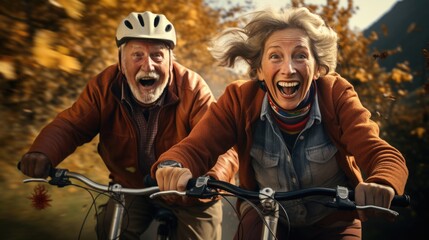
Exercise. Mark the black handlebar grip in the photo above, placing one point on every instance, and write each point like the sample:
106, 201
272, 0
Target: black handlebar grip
191, 183
401, 201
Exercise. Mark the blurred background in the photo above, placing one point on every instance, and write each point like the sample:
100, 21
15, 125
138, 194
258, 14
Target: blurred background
49, 49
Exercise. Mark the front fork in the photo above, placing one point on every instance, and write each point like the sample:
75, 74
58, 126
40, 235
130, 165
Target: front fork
271, 213
115, 227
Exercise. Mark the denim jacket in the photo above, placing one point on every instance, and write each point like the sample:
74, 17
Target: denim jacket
311, 163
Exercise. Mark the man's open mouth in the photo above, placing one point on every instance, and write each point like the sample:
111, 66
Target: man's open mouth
147, 82
288, 88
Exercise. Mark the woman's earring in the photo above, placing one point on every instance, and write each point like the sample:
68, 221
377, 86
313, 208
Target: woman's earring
262, 85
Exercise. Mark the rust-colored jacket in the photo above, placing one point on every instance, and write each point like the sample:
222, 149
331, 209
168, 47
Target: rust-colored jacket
100, 109
230, 121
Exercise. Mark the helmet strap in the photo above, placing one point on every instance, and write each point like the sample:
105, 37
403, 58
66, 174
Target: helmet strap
170, 65
119, 59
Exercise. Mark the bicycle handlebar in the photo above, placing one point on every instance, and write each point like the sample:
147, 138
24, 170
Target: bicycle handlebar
61, 177
201, 188
398, 200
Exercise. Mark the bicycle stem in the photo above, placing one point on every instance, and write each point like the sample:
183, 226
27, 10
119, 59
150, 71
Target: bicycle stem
115, 229
271, 213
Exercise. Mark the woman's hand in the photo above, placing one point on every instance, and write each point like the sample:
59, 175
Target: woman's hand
172, 178
373, 194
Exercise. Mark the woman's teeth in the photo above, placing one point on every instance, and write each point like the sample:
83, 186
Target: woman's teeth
288, 88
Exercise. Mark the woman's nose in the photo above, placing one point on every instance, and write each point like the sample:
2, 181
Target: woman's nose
288, 68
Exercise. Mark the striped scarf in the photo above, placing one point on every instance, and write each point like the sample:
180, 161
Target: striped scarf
293, 122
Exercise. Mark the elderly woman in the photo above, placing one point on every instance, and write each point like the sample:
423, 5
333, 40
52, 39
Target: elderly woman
296, 124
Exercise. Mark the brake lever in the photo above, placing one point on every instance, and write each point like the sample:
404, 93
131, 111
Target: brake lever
161, 193
35, 180
58, 177
196, 188
391, 213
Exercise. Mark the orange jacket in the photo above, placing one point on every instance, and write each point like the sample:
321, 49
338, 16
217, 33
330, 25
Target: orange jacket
230, 121
100, 110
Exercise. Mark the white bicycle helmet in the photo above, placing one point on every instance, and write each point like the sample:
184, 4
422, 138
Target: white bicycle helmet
146, 25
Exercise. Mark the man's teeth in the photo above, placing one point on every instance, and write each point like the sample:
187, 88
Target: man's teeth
144, 78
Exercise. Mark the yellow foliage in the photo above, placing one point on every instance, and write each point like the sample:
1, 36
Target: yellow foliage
74, 8
192, 17
46, 56
373, 36
420, 131
402, 92
67, 63
403, 66
42, 51
109, 3
396, 75
382, 89
63, 50
408, 77
399, 76
7, 69
361, 75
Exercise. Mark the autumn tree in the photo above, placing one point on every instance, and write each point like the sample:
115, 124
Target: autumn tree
50, 49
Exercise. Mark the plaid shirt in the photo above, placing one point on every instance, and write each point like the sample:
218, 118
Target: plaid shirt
146, 119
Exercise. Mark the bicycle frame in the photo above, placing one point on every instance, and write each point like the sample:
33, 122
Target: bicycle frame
60, 178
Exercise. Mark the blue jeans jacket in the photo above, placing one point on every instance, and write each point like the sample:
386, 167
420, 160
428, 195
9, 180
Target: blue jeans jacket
311, 163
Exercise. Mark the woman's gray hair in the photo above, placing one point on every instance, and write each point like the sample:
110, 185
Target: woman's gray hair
248, 43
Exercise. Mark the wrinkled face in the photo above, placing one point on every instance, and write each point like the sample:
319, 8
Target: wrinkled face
146, 65
288, 67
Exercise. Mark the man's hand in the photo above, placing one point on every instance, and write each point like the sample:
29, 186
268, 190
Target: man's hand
373, 194
35, 165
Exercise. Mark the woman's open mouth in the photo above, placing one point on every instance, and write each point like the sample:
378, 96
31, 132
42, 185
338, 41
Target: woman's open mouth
288, 89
